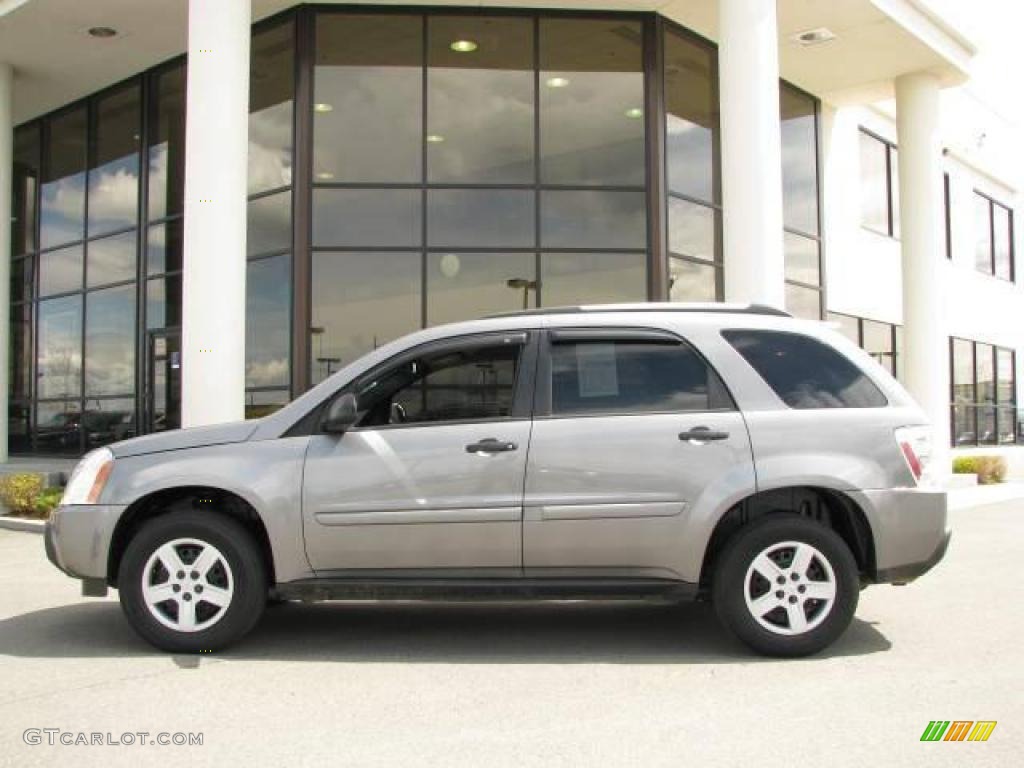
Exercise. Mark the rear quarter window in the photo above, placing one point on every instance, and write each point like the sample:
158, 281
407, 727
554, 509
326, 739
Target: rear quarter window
804, 372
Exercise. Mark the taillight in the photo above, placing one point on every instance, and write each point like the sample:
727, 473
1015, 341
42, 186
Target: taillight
916, 445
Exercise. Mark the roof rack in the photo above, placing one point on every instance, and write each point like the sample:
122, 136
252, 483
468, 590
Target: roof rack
717, 307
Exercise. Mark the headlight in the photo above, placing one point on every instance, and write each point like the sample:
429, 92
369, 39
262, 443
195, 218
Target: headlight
90, 475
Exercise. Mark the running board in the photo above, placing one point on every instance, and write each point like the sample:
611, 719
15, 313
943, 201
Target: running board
312, 590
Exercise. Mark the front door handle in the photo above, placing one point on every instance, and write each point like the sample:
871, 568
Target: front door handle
702, 435
491, 445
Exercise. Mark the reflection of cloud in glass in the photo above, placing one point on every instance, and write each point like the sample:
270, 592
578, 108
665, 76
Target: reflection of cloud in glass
62, 210
592, 278
593, 219
799, 174
691, 229
60, 347
110, 341
269, 226
480, 285
114, 195
111, 259
158, 181
268, 322
690, 152
270, 147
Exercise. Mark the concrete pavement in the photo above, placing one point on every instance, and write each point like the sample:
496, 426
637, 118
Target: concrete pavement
527, 685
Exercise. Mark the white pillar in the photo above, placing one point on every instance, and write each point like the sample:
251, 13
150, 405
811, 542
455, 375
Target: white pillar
216, 137
925, 338
748, 67
6, 170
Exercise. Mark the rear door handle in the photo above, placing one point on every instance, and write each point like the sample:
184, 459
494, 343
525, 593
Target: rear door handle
703, 435
491, 445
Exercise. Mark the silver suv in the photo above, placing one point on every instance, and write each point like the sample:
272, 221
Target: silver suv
628, 451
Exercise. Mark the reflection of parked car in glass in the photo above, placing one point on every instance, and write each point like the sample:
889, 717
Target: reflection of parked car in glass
61, 432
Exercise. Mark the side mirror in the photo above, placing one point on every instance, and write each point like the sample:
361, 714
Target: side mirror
342, 414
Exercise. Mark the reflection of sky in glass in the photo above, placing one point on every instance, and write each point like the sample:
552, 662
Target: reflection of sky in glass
268, 322
799, 173
163, 248
592, 278
111, 259
361, 300
269, 224
803, 302
270, 147
464, 286
593, 219
110, 341
801, 259
691, 229
362, 217
690, 282
60, 271
874, 194
489, 218
60, 347
62, 210
162, 312
114, 195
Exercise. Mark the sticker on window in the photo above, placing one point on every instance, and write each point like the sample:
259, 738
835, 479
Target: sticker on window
598, 374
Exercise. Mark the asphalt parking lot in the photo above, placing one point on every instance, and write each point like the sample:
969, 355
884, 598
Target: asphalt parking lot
524, 685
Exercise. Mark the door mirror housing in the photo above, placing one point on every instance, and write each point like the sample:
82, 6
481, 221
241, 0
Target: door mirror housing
341, 416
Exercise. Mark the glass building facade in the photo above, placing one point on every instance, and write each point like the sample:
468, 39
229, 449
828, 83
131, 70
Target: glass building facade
405, 169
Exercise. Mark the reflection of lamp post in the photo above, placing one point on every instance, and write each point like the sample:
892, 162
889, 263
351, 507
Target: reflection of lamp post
517, 283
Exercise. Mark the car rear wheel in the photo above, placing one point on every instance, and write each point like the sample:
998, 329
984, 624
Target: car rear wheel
786, 586
192, 582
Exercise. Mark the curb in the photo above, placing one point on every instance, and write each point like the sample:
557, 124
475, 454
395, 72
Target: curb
22, 524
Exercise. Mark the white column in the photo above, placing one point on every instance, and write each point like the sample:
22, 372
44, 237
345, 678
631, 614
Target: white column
925, 339
748, 66
6, 169
216, 138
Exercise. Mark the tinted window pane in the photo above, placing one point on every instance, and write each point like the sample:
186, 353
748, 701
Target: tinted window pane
804, 372
163, 248
271, 94
107, 421
474, 383
60, 271
965, 431
360, 301
62, 208
878, 343
982, 234
26, 184
20, 363
691, 229
57, 428
60, 347
1003, 243
110, 341
848, 326
803, 302
268, 322
592, 278
591, 102
163, 302
269, 224
963, 371
167, 144
801, 259
114, 172
874, 184
799, 161
111, 259
499, 218
368, 103
359, 217
689, 281
986, 373
260, 404
480, 102
1005, 378
19, 427
22, 279
1007, 425
986, 425
592, 219
463, 286
691, 125
631, 377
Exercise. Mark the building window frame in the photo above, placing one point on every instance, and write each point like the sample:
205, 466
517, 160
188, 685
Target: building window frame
975, 407
993, 269
892, 213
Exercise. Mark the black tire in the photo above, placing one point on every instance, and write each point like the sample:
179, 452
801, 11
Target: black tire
247, 568
730, 577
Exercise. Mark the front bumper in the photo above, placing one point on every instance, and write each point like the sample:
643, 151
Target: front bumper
77, 539
910, 531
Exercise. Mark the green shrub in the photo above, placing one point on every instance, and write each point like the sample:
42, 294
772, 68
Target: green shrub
989, 469
23, 494
19, 492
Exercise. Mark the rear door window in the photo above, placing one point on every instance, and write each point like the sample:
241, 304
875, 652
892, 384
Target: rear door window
804, 372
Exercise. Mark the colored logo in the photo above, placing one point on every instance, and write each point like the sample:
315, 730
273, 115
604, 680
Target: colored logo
958, 730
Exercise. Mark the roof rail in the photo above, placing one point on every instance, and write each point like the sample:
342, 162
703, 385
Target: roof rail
717, 307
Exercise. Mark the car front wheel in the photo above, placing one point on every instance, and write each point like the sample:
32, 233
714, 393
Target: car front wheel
192, 582
786, 586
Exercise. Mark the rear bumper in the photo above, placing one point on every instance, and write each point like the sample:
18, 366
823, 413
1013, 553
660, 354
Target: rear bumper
910, 531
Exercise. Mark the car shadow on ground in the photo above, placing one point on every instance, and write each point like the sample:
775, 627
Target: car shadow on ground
519, 633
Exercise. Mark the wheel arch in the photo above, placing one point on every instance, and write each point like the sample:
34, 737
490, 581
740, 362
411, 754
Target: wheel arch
204, 498
831, 507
